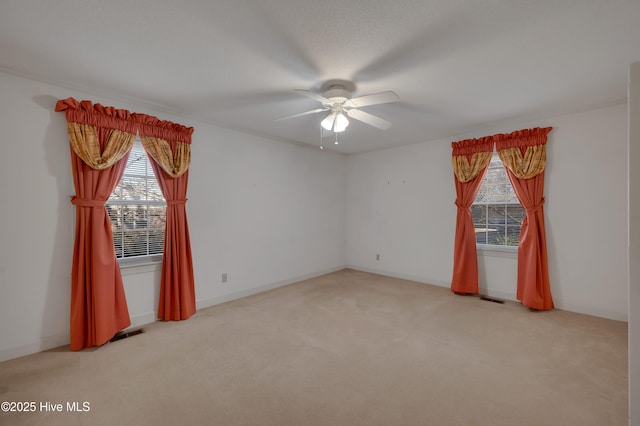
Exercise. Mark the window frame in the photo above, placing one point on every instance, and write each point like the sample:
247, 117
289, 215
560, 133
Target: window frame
497, 250
145, 261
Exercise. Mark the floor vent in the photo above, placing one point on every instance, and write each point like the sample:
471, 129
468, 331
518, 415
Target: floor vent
491, 299
123, 335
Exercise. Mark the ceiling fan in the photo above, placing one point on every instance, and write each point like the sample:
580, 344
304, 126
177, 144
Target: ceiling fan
336, 99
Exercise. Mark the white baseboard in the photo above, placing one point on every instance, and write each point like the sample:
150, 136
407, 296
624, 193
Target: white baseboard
205, 303
142, 319
43, 344
55, 341
447, 284
505, 295
408, 277
58, 340
586, 310
594, 312
150, 317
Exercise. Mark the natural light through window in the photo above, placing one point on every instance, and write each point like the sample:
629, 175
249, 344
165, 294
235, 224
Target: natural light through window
137, 209
497, 213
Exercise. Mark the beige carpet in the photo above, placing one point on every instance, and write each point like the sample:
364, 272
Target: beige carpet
348, 348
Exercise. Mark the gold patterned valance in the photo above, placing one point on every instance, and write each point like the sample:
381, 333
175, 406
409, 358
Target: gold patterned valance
470, 157
160, 150
168, 143
523, 152
84, 142
524, 167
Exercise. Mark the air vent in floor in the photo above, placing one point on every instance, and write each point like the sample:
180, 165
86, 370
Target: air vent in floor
491, 299
123, 335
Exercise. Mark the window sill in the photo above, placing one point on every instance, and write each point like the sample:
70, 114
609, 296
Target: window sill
497, 251
140, 266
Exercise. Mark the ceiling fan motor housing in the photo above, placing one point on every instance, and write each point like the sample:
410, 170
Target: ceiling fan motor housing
337, 94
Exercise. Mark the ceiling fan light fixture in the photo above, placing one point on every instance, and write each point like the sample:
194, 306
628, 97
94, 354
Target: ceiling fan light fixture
338, 103
327, 123
341, 123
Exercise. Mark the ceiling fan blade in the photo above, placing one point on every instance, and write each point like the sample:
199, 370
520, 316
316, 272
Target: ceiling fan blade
300, 114
376, 98
313, 96
369, 119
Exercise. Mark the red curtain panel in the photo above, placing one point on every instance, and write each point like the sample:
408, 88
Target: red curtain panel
524, 155
98, 303
169, 145
470, 159
101, 139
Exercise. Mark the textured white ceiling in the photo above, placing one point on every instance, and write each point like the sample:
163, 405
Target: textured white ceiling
457, 65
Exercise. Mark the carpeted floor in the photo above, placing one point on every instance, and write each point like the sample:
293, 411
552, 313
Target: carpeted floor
348, 348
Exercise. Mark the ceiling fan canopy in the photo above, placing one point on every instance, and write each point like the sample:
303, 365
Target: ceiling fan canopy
337, 98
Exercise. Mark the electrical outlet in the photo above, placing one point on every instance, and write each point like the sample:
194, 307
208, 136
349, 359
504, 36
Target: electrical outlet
224, 277
377, 257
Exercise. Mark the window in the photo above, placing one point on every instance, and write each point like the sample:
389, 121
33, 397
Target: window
137, 210
497, 213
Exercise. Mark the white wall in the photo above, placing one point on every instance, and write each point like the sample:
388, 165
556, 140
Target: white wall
634, 244
266, 213
400, 204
